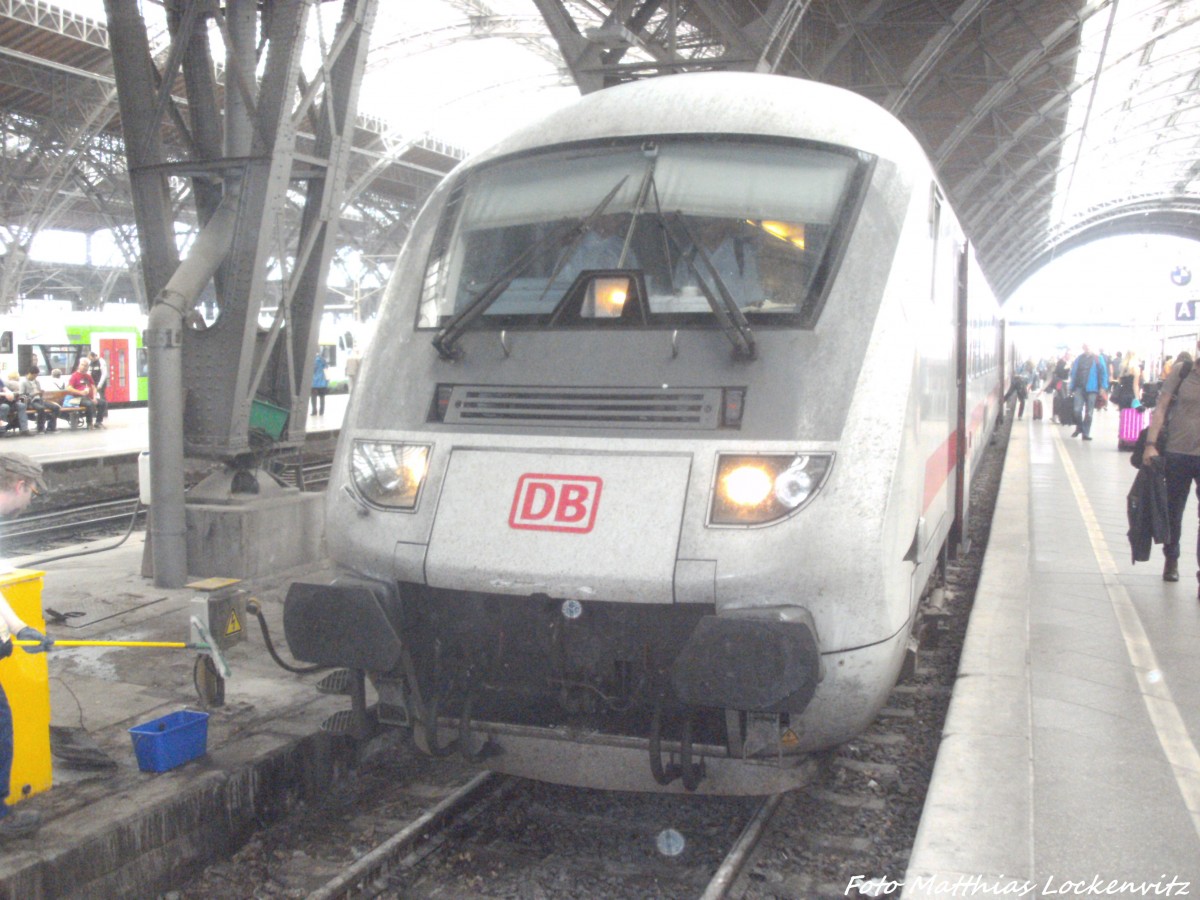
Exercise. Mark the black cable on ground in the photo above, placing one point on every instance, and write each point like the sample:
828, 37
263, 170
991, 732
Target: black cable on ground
298, 670
32, 563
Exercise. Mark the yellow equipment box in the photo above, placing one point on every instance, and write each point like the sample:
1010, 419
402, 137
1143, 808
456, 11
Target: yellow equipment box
26, 683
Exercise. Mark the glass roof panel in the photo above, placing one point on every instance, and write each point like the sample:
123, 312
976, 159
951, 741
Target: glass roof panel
1131, 128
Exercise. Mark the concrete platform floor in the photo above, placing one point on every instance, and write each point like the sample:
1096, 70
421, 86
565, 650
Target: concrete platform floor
1069, 764
126, 833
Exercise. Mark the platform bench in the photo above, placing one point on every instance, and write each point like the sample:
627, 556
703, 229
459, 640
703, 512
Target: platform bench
75, 415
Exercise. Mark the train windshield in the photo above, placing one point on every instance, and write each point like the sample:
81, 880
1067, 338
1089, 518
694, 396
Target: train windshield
670, 232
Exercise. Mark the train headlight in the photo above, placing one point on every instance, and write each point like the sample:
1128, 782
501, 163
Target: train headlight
389, 474
762, 488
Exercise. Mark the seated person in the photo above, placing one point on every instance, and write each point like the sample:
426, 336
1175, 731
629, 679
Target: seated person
31, 391
52, 382
82, 390
11, 401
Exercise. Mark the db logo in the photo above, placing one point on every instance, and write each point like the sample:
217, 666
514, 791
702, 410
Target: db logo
555, 503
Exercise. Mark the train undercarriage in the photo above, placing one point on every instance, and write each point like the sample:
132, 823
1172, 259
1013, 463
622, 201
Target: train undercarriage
518, 683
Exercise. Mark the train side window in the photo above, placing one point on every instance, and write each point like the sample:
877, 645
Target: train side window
434, 286
6, 342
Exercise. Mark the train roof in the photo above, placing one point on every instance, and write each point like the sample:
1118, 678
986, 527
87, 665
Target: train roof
720, 103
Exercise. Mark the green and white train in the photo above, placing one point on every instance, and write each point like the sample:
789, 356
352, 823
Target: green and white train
60, 342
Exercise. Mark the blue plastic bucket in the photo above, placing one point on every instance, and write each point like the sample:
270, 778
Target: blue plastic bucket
170, 741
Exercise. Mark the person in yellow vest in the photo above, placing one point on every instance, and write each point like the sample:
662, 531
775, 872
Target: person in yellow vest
20, 480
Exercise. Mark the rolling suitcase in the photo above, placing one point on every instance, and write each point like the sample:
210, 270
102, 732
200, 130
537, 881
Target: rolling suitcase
1037, 408
1064, 408
1132, 423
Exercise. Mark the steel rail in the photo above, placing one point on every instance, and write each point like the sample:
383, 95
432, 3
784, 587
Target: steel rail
722, 881
93, 515
358, 878
76, 518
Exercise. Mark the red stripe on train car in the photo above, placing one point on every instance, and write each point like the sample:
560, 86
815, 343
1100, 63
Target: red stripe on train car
940, 463
938, 468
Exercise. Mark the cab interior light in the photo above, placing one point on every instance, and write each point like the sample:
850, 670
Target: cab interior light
606, 297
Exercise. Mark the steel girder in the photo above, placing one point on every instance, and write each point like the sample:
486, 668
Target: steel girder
248, 150
61, 111
987, 87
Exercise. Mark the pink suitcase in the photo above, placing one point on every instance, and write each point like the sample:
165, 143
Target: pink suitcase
1132, 423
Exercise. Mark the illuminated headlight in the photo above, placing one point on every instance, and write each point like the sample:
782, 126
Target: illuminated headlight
755, 490
389, 474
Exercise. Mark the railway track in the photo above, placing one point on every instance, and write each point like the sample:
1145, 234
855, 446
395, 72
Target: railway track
33, 531
522, 838
70, 522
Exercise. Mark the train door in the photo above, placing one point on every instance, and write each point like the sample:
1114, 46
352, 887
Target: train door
115, 352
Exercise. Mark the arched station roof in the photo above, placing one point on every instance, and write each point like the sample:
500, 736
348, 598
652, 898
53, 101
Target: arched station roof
1049, 121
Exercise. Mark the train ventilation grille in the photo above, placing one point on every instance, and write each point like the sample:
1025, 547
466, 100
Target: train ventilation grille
693, 408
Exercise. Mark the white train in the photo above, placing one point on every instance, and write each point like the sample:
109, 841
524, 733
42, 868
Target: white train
672, 407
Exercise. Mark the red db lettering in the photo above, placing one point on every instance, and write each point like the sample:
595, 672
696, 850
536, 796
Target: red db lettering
539, 500
555, 503
572, 503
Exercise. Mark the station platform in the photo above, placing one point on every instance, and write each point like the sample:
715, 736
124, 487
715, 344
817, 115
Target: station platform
1068, 764
112, 830
126, 431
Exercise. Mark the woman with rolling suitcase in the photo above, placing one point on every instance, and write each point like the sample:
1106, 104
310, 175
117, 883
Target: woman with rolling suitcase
1126, 394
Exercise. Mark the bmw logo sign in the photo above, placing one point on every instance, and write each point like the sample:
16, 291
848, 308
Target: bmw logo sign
1181, 275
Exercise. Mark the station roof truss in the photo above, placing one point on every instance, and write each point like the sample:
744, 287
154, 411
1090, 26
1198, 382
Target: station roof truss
1049, 122
63, 161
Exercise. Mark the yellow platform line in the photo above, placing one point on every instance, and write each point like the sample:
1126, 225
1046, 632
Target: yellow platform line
1168, 724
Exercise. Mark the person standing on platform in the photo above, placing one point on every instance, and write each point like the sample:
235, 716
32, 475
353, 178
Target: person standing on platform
98, 369
1177, 413
1018, 389
320, 386
20, 481
352, 364
1129, 382
1089, 378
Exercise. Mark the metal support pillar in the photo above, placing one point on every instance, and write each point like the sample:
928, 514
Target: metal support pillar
246, 158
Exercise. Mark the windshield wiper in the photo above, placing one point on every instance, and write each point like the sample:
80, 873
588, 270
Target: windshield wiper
444, 341
729, 314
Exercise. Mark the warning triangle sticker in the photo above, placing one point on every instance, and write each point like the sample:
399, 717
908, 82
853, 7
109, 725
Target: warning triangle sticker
234, 625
